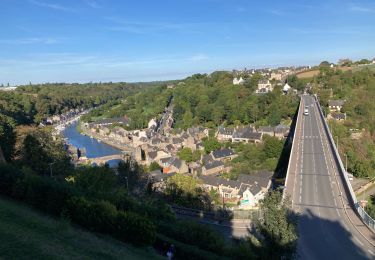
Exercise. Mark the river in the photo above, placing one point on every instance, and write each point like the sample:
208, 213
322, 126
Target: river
93, 147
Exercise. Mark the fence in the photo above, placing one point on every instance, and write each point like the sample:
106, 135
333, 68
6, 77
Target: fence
291, 150
361, 212
218, 215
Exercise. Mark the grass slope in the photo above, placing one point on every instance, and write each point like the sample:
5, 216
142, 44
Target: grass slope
27, 234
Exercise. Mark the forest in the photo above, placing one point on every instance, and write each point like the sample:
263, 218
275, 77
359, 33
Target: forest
357, 88
208, 100
32, 103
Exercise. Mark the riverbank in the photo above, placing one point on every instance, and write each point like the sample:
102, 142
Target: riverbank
87, 132
93, 147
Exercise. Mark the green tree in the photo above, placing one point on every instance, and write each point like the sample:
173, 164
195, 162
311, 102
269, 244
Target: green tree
96, 180
7, 137
211, 144
34, 156
154, 166
278, 227
187, 119
186, 154
272, 146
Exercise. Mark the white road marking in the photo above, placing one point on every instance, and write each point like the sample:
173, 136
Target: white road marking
359, 242
346, 227
368, 250
338, 212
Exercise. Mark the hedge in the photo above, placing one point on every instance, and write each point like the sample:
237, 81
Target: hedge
56, 197
196, 234
103, 216
185, 251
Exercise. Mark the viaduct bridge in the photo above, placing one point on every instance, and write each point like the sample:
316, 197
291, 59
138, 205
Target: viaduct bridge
332, 225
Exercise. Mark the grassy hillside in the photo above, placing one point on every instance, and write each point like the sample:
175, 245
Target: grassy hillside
27, 234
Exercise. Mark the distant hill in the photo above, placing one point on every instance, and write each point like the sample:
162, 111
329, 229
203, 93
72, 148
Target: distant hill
24, 233
314, 72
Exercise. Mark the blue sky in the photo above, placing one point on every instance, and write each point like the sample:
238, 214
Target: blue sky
104, 40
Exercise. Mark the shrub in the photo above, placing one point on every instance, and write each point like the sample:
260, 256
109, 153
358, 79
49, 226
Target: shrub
97, 216
103, 216
196, 234
134, 228
9, 175
184, 251
47, 194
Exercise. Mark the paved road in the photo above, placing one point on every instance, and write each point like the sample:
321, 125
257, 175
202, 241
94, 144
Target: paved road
327, 230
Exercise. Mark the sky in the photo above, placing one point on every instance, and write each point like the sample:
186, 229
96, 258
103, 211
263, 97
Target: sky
126, 40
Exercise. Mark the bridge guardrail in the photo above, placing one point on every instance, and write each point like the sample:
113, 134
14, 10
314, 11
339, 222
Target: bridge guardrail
361, 212
291, 150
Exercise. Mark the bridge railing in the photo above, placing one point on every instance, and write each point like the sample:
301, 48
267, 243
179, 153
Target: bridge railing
361, 212
287, 182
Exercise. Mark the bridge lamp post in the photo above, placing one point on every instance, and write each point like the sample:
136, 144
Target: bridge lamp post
50, 168
127, 183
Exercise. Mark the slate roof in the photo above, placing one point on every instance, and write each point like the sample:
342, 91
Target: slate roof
170, 147
213, 164
176, 140
266, 129
261, 178
339, 116
222, 153
216, 181
254, 182
159, 176
174, 161
152, 155
207, 158
156, 141
336, 103
281, 128
247, 133
225, 131
195, 130
165, 160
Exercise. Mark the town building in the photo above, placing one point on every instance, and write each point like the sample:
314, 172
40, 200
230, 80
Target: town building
238, 81
335, 105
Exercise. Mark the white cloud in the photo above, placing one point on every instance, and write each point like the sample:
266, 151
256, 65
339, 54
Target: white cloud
50, 5
32, 40
199, 57
361, 9
93, 4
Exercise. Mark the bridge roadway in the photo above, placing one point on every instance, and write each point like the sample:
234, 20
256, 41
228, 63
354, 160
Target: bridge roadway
104, 159
328, 226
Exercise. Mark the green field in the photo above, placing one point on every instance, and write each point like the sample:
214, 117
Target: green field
27, 234
370, 67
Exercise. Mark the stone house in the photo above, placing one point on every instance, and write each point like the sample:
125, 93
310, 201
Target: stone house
246, 135
281, 131
213, 167
223, 154
174, 164
267, 130
224, 134
335, 105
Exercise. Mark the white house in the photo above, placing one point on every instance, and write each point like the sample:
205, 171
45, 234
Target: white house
152, 123
238, 81
286, 88
264, 86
